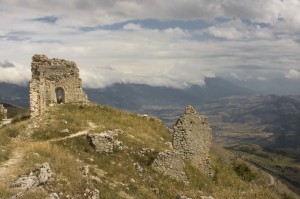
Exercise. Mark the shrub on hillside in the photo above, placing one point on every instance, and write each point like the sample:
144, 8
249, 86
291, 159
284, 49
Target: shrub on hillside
244, 171
21, 117
1, 116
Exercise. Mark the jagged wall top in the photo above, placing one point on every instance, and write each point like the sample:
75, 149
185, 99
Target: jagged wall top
52, 69
196, 128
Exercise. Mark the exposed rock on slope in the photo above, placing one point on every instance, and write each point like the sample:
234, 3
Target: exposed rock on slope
192, 137
38, 177
105, 142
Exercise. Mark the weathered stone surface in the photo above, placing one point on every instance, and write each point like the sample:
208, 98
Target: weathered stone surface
26, 182
105, 142
170, 163
44, 173
192, 137
93, 194
155, 190
17, 196
50, 76
53, 196
40, 176
3, 112
206, 197
65, 131
138, 168
182, 197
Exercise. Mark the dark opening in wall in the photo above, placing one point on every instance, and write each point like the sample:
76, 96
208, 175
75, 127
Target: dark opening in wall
60, 95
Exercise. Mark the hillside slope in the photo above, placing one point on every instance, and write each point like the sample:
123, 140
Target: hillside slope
58, 141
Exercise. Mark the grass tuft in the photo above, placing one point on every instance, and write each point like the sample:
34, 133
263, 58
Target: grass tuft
244, 171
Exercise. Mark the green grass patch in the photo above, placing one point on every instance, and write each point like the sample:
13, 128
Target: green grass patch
244, 171
62, 163
7, 133
5, 192
198, 180
75, 118
35, 194
21, 117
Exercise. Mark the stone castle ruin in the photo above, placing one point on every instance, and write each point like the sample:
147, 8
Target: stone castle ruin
54, 81
57, 81
192, 137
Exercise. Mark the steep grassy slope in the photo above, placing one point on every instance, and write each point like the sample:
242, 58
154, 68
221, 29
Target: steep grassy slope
119, 177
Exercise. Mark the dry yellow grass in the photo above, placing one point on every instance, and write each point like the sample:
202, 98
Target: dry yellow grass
116, 171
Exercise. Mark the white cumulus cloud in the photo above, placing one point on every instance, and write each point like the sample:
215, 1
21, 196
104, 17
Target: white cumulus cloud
186, 41
293, 74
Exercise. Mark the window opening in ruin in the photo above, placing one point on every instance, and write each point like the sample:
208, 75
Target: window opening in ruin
60, 95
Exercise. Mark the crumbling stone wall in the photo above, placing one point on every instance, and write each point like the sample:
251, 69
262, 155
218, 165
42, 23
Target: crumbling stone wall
192, 137
3, 112
49, 76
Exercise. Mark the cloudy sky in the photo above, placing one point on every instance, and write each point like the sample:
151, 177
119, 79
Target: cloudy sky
158, 42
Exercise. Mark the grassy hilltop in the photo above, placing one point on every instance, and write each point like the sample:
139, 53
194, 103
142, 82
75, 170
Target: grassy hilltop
48, 139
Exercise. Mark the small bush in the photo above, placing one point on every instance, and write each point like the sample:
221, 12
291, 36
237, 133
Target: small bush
21, 117
4, 154
244, 171
1, 115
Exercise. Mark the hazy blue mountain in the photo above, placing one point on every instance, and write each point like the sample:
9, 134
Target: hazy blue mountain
133, 96
277, 86
14, 94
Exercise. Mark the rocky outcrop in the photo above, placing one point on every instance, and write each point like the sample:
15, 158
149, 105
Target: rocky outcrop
39, 176
192, 137
105, 142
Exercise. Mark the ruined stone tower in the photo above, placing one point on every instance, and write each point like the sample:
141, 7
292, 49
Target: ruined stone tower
53, 81
192, 137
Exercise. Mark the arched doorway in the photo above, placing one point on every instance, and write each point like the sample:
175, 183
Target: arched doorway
60, 95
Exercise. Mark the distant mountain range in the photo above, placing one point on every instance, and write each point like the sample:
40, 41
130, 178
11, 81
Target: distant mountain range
278, 86
134, 96
14, 94
279, 115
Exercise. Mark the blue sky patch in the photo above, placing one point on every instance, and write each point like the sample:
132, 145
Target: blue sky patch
154, 24
46, 19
